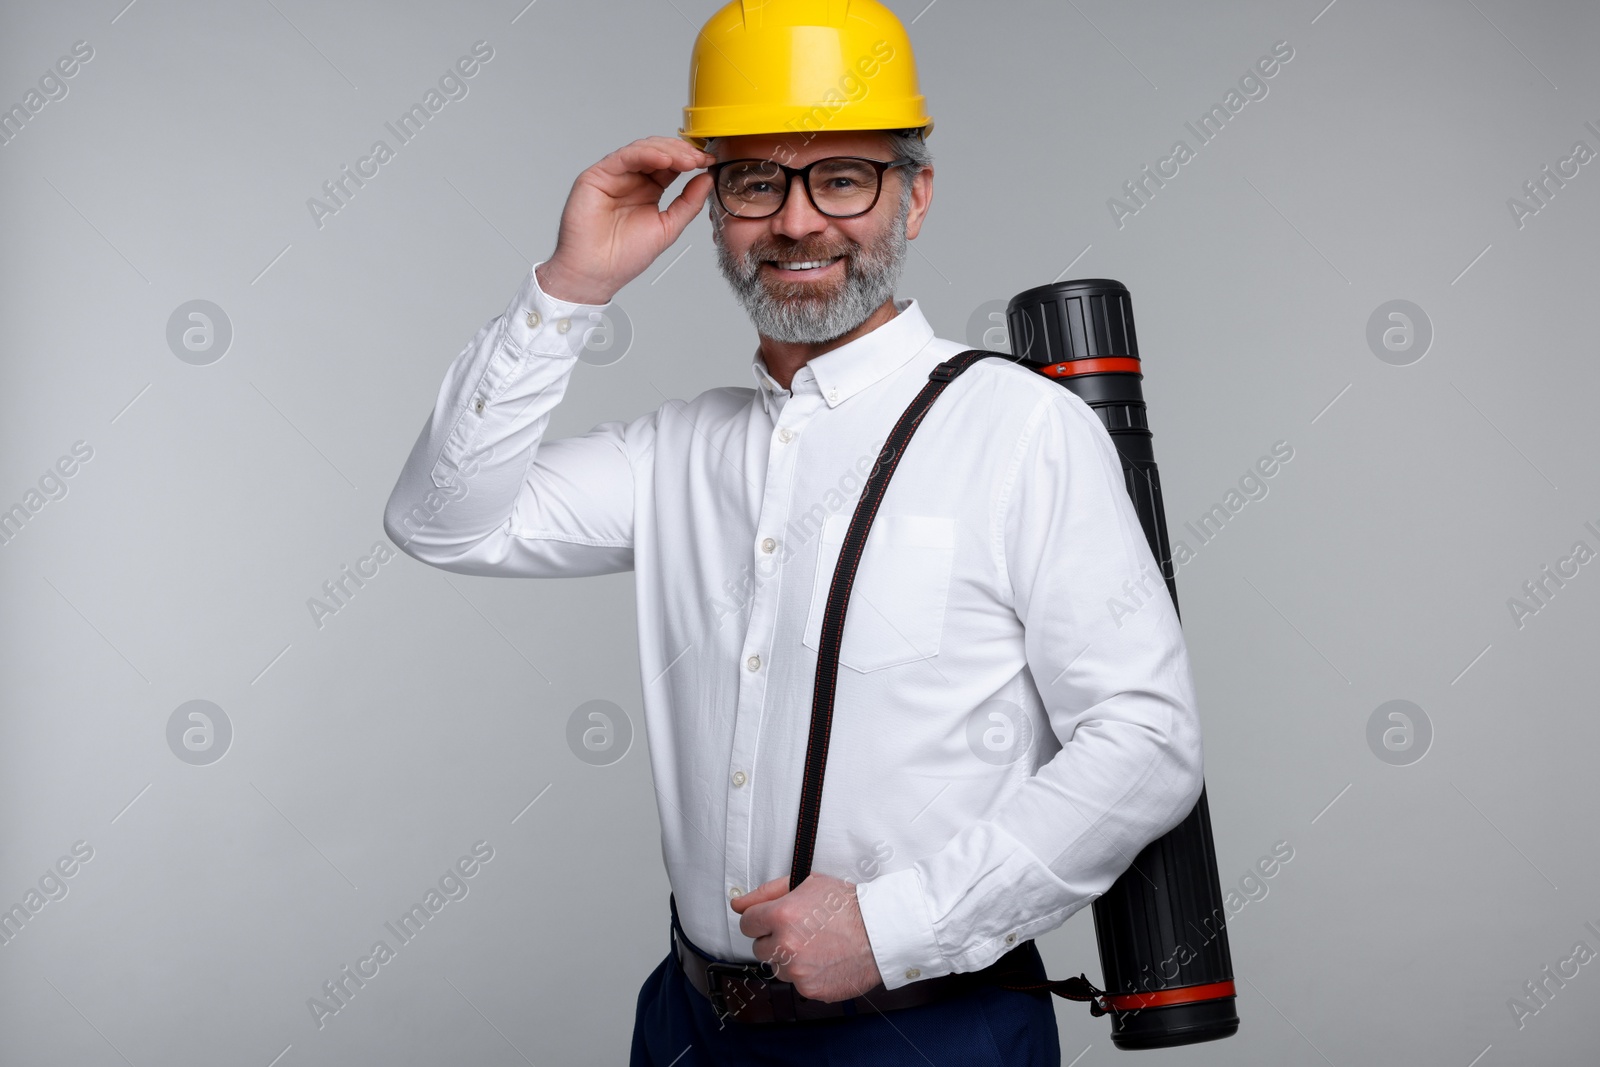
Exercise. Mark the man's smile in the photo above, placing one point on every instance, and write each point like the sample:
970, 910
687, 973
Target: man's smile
804, 269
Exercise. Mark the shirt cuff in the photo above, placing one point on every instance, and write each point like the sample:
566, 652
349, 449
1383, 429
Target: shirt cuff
543, 325
900, 928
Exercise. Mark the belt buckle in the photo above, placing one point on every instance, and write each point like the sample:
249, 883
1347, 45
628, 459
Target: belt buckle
716, 969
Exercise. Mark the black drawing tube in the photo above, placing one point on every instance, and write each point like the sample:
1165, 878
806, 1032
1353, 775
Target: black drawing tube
1161, 926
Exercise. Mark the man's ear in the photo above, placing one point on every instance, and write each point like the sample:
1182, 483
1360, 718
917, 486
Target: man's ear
921, 200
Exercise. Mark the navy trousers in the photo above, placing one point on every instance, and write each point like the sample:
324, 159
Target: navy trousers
674, 1026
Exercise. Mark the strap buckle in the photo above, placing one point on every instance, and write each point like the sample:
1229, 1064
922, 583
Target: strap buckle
716, 970
944, 372
1079, 989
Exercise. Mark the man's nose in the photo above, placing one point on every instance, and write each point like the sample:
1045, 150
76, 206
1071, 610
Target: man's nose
798, 216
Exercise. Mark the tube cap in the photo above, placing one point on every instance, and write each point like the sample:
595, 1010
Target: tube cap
1086, 318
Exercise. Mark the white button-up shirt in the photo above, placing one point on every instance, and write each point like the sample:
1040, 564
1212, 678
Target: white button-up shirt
1015, 713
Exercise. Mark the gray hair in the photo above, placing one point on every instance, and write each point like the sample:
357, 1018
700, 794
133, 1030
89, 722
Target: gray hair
910, 144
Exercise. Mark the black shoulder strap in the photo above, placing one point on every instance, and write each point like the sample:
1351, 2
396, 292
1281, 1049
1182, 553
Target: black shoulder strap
844, 576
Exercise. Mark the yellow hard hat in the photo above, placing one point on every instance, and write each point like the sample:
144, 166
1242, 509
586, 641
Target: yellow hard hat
801, 66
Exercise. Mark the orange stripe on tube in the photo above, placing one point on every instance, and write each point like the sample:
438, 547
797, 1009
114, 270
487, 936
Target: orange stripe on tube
1163, 997
1098, 365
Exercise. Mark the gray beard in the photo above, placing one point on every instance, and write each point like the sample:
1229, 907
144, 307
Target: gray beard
871, 272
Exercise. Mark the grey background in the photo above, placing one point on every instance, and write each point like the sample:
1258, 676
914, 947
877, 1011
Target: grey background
370, 753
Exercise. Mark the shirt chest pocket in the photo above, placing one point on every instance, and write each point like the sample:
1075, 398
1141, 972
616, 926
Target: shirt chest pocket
897, 603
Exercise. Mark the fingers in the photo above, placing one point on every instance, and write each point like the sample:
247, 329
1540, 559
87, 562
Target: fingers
652, 154
762, 893
756, 923
684, 207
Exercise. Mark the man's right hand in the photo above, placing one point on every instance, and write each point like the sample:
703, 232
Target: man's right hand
611, 229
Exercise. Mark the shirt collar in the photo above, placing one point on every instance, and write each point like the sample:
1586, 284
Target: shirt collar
842, 372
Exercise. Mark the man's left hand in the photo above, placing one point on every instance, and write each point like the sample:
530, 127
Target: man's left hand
812, 937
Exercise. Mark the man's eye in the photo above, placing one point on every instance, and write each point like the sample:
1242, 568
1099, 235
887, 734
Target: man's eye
751, 187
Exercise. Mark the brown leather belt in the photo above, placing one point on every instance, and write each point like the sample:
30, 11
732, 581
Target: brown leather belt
748, 993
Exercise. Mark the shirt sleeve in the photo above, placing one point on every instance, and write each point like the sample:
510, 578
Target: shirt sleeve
1105, 651
483, 493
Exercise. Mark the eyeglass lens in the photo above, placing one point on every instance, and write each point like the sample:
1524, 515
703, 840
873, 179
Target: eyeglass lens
839, 186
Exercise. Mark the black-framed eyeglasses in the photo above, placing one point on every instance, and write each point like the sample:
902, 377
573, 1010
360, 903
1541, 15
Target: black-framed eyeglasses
840, 187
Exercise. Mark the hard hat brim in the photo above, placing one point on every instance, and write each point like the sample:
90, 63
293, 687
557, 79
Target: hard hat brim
704, 127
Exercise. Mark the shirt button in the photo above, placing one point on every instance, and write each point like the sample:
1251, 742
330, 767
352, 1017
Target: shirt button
913, 972
477, 405
768, 544
786, 435
1011, 939
534, 320
753, 663
833, 395
739, 778
563, 325
735, 891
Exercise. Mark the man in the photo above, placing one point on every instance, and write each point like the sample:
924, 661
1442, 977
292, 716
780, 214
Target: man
1002, 744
